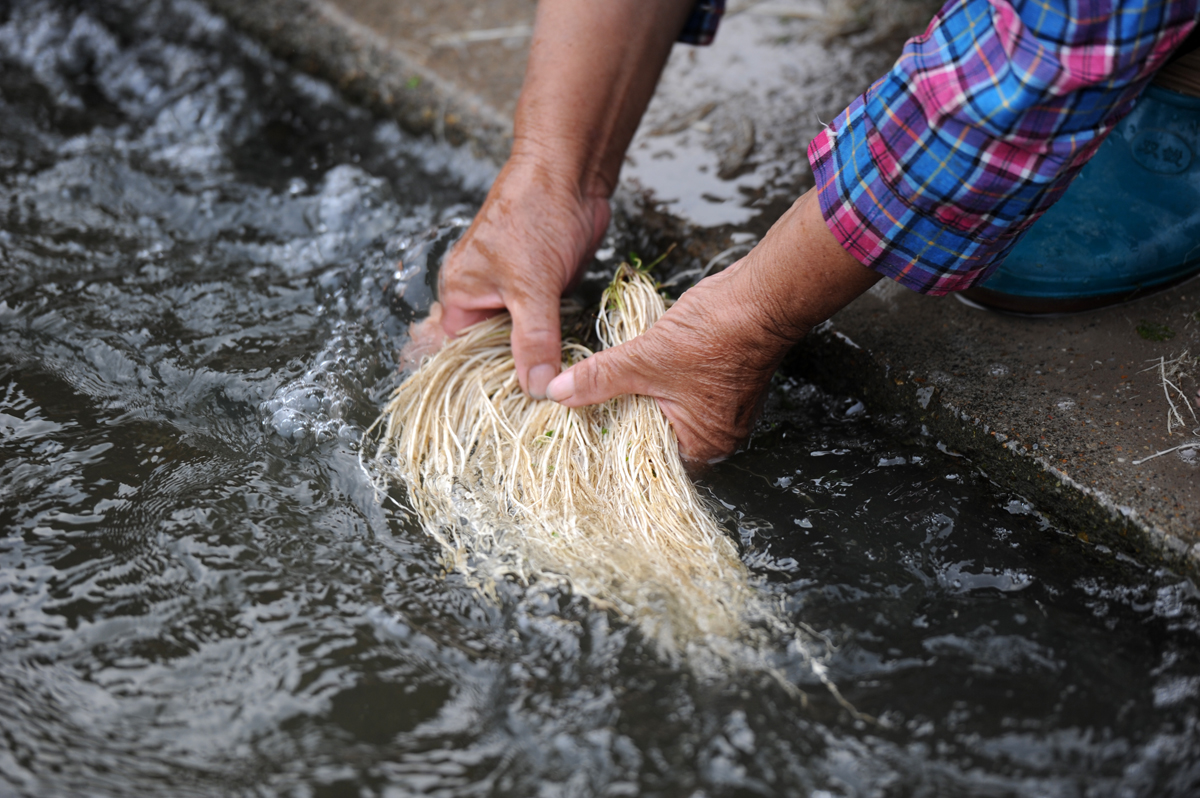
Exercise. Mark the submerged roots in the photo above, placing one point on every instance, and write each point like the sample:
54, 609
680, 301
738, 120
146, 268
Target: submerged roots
596, 497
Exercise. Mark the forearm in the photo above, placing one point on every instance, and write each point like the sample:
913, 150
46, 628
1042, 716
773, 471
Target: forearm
799, 275
592, 69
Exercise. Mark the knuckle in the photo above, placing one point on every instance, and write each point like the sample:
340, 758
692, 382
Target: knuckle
534, 335
590, 375
625, 369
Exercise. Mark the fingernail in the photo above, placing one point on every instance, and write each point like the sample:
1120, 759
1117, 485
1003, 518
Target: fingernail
561, 387
539, 378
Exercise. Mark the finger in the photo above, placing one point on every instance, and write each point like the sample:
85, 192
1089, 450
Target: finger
425, 337
622, 370
602, 376
537, 344
456, 319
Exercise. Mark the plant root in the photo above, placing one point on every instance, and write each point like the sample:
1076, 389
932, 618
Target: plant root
596, 497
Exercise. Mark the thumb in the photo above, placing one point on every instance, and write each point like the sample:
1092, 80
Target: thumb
602, 376
537, 344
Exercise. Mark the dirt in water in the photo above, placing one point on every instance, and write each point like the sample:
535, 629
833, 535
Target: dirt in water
201, 594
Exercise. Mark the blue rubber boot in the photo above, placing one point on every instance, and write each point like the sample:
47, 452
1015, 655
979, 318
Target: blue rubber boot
1129, 224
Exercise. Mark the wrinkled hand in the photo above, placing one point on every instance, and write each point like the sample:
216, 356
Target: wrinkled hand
525, 249
707, 362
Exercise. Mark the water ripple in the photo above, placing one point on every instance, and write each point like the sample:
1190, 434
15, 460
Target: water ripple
201, 593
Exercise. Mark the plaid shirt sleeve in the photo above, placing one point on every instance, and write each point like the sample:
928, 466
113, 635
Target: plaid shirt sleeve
933, 174
701, 25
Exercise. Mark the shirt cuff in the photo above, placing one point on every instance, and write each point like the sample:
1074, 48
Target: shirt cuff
702, 22
933, 175
883, 231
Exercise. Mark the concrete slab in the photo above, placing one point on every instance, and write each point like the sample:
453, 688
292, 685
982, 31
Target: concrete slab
1072, 412
479, 47
383, 55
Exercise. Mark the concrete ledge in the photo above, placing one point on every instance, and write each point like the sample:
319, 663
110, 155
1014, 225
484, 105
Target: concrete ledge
992, 391
326, 40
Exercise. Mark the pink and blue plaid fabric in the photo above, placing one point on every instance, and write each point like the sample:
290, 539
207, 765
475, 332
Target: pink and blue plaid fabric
933, 174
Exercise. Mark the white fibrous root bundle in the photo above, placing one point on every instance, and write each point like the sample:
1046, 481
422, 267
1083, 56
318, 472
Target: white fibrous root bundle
596, 497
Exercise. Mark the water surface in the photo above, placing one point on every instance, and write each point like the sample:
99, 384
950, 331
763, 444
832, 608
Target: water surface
201, 594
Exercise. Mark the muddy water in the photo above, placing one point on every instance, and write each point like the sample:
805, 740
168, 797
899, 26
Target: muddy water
200, 593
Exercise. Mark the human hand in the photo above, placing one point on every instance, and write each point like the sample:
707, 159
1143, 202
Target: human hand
707, 361
525, 249
709, 358
592, 70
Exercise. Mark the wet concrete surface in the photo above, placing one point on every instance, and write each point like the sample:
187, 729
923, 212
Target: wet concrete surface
480, 47
376, 56
1070, 412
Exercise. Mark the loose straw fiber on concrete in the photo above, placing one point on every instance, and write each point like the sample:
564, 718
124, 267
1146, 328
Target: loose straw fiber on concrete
595, 496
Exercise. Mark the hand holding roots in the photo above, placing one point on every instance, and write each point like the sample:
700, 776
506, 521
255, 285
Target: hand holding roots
594, 496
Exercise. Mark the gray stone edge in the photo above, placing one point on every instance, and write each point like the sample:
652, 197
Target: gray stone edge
321, 40
829, 357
